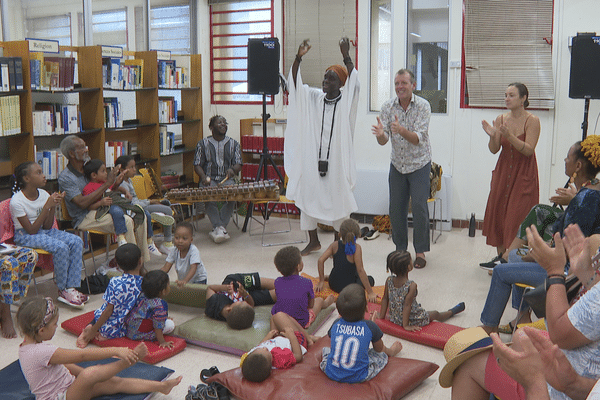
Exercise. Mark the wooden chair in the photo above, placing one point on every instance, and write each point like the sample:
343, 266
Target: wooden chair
82, 234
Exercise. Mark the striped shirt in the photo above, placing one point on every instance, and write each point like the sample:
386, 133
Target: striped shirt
216, 157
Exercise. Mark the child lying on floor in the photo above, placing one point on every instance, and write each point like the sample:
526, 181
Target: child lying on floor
282, 348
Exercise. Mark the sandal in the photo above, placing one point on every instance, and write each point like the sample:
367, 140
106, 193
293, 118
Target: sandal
420, 262
507, 329
207, 373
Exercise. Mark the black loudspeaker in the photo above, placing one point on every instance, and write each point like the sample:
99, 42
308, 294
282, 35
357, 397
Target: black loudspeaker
585, 67
263, 66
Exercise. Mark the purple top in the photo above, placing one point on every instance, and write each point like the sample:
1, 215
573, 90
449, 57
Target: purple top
293, 293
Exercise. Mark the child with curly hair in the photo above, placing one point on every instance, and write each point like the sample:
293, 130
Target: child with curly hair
401, 297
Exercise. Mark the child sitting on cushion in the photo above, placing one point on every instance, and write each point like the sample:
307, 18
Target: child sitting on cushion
51, 371
351, 331
401, 296
186, 257
347, 262
234, 299
119, 298
294, 293
148, 319
282, 348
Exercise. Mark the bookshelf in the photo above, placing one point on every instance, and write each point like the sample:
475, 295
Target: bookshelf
91, 106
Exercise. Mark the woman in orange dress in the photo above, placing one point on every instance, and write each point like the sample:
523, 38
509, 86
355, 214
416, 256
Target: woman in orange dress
515, 184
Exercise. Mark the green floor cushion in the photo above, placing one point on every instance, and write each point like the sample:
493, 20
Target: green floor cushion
213, 334
191, 295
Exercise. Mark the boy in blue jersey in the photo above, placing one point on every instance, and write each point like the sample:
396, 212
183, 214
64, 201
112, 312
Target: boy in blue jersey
349, 359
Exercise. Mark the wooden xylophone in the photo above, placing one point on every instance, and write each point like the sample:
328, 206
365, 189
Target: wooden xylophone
251, 191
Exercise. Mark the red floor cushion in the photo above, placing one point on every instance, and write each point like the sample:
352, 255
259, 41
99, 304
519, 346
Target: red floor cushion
436, 334
75, 325
327, 290
306, 380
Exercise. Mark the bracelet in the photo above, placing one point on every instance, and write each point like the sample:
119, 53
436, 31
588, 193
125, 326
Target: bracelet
555, 281
558, 276
347, 60
523, 148
298, 58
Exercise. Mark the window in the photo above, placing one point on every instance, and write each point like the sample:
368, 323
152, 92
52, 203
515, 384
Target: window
55, 27
231, 25
170, 29
324, 22
507, 41
110, 27
427, 47
381, 53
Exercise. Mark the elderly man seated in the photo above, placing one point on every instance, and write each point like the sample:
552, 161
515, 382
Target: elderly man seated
72, 181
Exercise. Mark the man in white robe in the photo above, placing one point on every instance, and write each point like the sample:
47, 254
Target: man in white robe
319, 145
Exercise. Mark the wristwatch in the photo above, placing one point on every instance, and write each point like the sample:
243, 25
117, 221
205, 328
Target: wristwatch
555, 280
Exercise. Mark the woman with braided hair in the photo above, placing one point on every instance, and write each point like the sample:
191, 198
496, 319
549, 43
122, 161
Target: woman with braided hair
582, 164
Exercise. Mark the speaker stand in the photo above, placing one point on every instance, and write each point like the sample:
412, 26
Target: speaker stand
586, 112
265, 160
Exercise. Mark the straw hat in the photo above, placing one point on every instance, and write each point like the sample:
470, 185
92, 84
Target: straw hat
459, 348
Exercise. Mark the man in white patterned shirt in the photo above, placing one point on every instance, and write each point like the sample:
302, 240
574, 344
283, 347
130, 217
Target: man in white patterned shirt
405, 120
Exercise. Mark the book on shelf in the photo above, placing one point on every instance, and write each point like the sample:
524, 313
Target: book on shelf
11, 73
112, 113
52, 162
122, 74
51, 73
135, 67
10, 119
170, 76
167, 110
114, 150
167, 140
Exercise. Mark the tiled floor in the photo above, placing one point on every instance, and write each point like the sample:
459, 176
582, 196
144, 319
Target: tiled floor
451, 275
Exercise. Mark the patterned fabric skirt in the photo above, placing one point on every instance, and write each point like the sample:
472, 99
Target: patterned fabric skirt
543, 217
16, 271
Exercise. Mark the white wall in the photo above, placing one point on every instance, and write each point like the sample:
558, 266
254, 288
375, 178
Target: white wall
458, 142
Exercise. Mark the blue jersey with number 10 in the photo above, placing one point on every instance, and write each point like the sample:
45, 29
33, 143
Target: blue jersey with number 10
348, 360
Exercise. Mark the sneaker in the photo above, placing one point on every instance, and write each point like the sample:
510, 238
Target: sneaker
220, 235
213, 235
162, 219
165, 247
122, 242
225, 234
70, 297
84, 297
489, 266
153, 250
